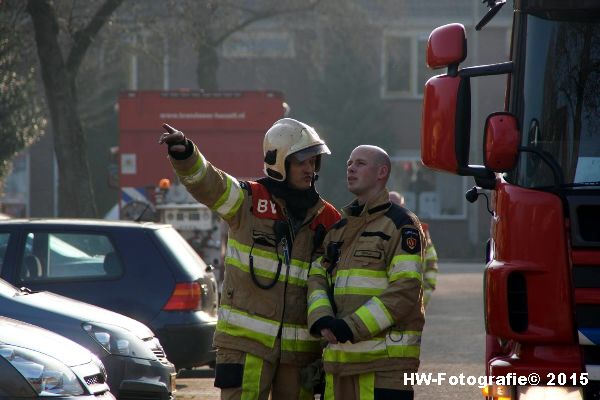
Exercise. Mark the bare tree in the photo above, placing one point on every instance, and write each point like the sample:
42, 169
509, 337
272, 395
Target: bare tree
21, 117
212, 22
59, 73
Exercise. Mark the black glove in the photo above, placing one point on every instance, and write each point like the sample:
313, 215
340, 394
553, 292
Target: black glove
340, 329
321, 323
179, 147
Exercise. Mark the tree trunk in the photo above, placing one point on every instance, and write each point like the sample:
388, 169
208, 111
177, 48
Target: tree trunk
75, 193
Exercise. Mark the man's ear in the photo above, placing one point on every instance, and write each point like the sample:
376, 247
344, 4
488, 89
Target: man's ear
383, 172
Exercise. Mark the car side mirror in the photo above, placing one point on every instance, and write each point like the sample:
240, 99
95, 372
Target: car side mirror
501, 142
447, 46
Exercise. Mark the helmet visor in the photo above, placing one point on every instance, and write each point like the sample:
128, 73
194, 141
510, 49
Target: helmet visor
309, 152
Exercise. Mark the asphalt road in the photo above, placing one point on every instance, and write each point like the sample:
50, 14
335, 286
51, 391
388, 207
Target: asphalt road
453, 340
454, 334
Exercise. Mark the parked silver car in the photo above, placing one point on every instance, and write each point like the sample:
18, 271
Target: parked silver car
36, 363
134, 359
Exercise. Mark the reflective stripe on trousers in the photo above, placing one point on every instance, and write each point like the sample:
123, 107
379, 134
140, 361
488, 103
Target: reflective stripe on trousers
263, 380
366, 387
253, 367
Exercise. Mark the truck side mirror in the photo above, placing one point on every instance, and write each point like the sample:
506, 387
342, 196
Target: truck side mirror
447, 46
446, 124
501, 142
438, 127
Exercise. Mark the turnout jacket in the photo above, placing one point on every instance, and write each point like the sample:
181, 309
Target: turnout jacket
373, 266
430, 266
267, 322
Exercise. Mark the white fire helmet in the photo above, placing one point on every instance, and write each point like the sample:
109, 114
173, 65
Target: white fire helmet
286, 137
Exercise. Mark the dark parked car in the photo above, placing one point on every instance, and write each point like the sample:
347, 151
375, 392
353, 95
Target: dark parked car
36, 363
135, 362
146, 271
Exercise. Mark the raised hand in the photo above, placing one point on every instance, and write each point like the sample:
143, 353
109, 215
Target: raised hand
174, 139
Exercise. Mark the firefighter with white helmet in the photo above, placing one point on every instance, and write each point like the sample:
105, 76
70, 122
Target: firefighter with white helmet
276, 226
290, 137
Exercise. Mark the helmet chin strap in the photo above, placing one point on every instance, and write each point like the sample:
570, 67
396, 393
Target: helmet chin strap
314, 179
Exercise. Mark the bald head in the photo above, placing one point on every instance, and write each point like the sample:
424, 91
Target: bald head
397, 198
368, 170
378, 155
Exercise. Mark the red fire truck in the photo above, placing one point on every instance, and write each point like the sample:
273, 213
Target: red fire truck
541, 162
228, 127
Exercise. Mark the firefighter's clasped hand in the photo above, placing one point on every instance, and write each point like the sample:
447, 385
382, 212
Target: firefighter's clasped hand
174, 139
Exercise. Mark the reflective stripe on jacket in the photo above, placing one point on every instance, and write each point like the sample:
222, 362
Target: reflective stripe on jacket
269, 323
377, 289
430, 267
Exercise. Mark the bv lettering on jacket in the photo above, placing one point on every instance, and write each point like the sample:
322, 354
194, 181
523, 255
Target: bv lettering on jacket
266, 206
263, 205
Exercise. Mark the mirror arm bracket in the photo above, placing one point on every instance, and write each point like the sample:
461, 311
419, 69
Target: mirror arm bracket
487, 70
453, 70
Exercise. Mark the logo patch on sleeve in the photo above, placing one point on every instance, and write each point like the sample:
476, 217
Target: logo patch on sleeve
411, 241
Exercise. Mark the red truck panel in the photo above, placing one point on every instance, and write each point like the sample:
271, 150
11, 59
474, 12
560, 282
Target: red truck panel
530, 238
228, 127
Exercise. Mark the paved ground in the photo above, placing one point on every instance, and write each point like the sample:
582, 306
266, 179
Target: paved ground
453, 339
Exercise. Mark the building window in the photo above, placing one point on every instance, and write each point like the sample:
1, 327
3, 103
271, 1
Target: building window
429, 194
404, 71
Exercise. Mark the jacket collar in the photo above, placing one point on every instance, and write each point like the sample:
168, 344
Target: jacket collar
311, 212
372, 208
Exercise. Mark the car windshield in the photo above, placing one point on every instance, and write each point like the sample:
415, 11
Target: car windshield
561, 112
181, 250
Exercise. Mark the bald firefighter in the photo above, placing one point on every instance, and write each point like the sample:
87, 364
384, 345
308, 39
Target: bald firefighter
276, 226
365, 295
430, 262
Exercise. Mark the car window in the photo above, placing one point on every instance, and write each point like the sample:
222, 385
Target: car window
3, 246
60, 255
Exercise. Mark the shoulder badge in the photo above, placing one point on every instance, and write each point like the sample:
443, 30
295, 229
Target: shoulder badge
411, 240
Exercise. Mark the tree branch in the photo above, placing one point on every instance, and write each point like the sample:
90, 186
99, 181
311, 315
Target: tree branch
83, 37
263, 15
71, 19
